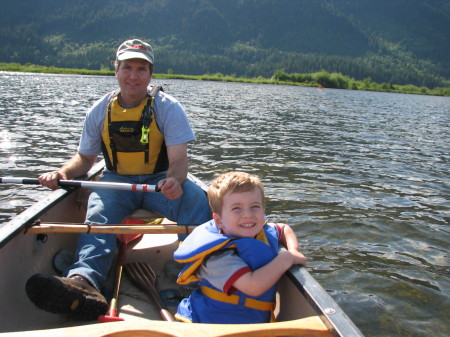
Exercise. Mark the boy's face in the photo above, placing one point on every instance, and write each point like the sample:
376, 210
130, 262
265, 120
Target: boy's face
242, 214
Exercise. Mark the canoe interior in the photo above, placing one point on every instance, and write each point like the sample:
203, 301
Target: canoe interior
30, 253
24, 254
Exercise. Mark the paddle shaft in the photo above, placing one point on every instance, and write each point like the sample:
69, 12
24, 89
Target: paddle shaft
124, 242
86, 184
112, 316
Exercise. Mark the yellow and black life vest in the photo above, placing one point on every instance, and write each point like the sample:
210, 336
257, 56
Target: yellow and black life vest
132, 143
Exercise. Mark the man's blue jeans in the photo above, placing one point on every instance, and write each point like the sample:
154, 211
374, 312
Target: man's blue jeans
95, 251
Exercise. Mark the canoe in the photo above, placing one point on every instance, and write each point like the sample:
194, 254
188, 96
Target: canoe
30, 242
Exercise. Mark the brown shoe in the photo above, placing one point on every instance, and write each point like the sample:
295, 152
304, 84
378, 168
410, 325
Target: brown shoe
63, 295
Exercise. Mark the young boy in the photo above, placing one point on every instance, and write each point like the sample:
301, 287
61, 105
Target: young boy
235, 256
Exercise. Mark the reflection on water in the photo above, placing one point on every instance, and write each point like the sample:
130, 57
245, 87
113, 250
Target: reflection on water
362, 177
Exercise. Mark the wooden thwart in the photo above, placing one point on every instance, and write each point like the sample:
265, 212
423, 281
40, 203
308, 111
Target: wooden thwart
310, 326
111, 229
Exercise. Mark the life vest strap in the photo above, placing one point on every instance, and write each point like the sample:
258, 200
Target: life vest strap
234, 299
112, 144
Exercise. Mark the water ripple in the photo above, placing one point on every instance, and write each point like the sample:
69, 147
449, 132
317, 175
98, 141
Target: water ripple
362, 177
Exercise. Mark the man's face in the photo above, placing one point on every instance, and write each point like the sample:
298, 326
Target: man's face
134, 77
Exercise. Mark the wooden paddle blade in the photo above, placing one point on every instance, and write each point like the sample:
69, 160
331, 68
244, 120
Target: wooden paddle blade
143, 276
142, 273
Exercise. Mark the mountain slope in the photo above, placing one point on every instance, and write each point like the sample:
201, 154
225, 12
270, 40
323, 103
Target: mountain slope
401, 41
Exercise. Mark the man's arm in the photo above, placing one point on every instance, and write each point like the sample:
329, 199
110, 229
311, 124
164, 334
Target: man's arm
176, 173
77, 166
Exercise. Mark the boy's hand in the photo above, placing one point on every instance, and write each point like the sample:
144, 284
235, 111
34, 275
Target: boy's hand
298, 258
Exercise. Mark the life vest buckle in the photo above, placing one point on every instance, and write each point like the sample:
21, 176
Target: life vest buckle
144, 137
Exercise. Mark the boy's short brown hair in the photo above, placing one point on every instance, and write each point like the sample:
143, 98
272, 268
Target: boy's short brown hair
232, 182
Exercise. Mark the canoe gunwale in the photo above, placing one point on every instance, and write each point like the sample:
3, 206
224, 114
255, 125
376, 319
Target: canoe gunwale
332, 315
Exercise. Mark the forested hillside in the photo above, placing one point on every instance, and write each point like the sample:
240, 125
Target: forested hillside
392, 41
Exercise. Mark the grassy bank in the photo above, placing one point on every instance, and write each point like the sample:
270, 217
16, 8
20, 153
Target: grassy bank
319, 79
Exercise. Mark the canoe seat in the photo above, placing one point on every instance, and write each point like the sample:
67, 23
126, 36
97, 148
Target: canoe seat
149, 216
141, 213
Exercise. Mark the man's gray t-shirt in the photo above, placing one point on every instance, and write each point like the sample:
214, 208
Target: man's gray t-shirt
170, 116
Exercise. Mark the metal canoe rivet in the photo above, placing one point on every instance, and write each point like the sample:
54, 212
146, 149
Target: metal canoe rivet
330, 311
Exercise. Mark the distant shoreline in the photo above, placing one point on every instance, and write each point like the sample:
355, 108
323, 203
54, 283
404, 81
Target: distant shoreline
365, 85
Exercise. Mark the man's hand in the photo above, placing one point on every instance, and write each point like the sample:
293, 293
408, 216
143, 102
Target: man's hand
171, 188
50, 179
76, 166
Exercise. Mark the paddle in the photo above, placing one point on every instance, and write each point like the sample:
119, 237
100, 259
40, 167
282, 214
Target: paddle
125, 241
86, 184
143, 276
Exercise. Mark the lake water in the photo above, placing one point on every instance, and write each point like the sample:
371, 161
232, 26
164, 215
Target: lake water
362, 177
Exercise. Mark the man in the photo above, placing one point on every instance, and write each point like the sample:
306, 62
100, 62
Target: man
143, 136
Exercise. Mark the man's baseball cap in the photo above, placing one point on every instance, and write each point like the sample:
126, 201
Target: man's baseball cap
135, 49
